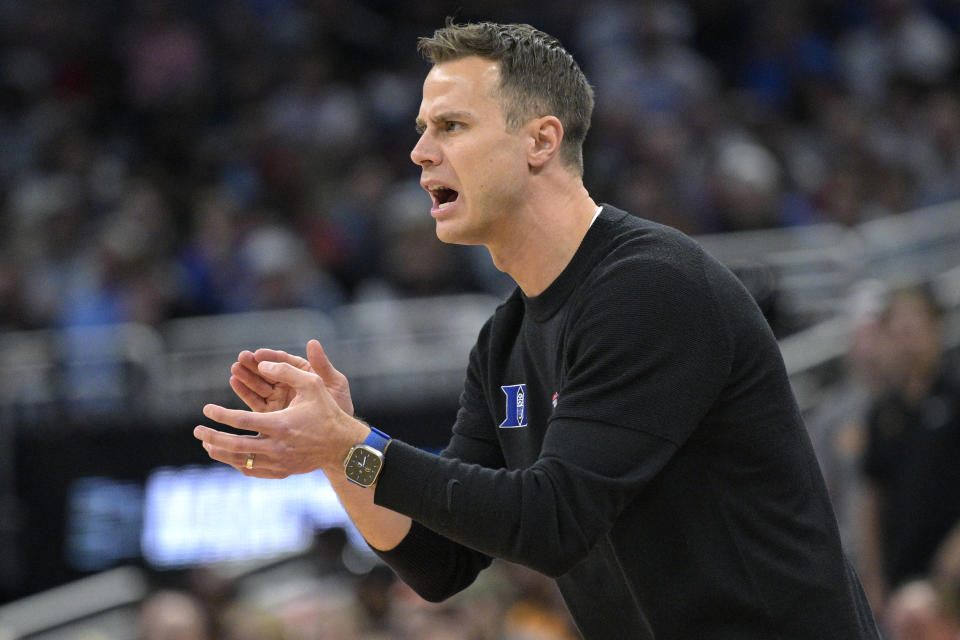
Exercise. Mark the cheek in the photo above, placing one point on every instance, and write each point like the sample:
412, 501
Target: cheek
491, 172
504, 167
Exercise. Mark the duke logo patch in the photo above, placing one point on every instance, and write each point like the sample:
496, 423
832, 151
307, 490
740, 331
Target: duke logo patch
516, 406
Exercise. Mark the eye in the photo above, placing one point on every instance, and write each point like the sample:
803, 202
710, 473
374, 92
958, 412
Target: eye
452, 125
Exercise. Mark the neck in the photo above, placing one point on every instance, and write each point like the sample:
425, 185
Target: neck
542, 237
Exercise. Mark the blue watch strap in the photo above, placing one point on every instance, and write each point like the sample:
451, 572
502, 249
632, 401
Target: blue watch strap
377, 439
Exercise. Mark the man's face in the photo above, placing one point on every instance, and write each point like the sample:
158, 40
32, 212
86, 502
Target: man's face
473, 167
915, 335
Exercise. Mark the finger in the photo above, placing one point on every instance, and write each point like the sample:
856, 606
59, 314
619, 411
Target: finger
244, 420
246, 368
260, 466
252, 379
226, 456
321, 363
239, 460
225, 443
288, 374
276, 355
247, 359
250, 398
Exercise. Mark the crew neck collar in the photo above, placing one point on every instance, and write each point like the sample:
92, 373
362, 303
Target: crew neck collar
545, 305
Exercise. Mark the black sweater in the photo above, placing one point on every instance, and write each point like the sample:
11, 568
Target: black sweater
631, 432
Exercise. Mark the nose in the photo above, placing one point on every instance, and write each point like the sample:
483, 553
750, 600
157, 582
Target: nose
425, 152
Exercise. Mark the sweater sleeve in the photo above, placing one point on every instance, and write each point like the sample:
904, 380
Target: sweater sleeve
646, 358
433, 565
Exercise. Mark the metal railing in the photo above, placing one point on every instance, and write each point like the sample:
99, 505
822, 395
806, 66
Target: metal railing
814, 267
410, 351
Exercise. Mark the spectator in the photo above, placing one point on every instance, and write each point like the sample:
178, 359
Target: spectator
257, 101
282, 272
913, 497
918, 611
939, 163
206, 266
901, 39
838, 426
173, 615
537, 611
746, 186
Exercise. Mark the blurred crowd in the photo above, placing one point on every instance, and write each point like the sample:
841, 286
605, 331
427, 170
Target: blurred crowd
888, 439
165, 158
328, 602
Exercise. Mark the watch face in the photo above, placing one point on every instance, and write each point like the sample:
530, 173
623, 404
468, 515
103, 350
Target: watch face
363, 465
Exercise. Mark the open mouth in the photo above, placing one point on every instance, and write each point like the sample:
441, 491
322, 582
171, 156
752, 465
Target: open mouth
443, 197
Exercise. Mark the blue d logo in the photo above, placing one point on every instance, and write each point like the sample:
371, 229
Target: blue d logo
516, 407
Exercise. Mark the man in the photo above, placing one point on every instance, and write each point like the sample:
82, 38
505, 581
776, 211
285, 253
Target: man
911, 510
626, 424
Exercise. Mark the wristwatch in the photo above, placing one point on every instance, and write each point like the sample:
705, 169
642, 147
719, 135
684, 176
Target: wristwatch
362, 465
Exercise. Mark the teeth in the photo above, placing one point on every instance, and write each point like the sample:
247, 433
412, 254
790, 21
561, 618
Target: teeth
444, 205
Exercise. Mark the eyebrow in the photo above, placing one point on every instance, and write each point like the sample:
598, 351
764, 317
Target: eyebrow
444, 116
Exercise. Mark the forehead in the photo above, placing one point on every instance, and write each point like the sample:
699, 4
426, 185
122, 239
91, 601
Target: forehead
468, 83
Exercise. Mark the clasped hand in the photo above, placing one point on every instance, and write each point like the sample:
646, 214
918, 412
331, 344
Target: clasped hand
301, 415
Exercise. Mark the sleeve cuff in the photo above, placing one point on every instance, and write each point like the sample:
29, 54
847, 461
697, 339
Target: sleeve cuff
406, 471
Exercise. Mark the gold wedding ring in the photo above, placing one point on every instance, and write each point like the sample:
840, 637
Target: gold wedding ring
250, 458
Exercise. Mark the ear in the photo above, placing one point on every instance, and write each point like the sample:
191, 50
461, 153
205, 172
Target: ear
546, 134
